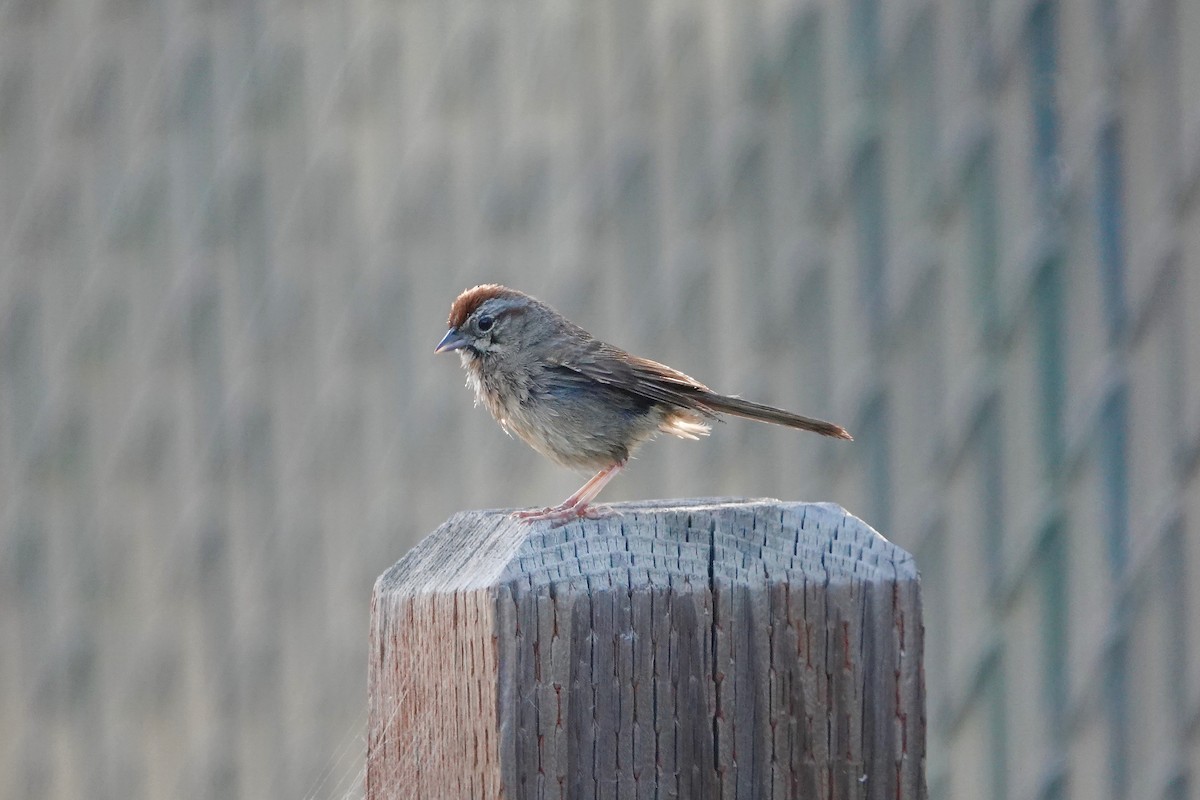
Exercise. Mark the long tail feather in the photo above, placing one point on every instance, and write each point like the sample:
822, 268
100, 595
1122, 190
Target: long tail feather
758, 411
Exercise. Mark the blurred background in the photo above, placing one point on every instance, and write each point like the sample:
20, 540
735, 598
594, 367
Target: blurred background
230, 231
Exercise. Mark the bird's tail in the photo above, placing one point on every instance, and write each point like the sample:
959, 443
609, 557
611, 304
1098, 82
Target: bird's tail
757, 411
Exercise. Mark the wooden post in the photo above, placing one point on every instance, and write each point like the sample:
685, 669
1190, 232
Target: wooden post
688, 649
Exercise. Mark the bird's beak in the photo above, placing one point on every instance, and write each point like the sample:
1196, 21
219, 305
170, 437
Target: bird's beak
453, 340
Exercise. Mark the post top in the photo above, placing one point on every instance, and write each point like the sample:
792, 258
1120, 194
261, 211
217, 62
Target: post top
682, 544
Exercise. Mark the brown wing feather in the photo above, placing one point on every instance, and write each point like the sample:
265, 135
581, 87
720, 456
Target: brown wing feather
612, 366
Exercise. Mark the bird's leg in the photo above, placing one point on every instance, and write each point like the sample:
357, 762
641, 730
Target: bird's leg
577, 505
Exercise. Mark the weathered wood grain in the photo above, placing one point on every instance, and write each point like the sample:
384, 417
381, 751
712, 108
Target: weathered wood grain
734, 649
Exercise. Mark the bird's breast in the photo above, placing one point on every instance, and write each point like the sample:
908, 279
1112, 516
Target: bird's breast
578, 423
501, 392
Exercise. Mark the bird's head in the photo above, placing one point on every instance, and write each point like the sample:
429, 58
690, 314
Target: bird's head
487, 320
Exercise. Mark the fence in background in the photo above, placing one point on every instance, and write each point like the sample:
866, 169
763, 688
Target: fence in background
230, 231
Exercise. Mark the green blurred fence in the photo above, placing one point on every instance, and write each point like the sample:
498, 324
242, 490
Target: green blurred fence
229, 233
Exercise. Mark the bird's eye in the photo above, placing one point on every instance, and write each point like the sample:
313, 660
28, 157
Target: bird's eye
484, 323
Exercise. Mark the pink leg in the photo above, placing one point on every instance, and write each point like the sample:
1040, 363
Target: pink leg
577, 505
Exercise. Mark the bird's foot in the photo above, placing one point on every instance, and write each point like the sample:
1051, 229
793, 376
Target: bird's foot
561, 515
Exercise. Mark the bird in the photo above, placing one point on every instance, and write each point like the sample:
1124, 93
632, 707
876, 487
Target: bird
581, 402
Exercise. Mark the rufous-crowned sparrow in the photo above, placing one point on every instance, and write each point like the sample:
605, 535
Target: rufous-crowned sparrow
579, 401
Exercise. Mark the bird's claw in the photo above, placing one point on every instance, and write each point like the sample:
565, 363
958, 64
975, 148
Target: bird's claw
561, 515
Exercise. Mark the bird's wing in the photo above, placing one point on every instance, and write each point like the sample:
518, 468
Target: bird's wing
597, 361
609, 365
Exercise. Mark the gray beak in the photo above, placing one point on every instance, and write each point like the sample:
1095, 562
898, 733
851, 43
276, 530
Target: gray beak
453, 340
